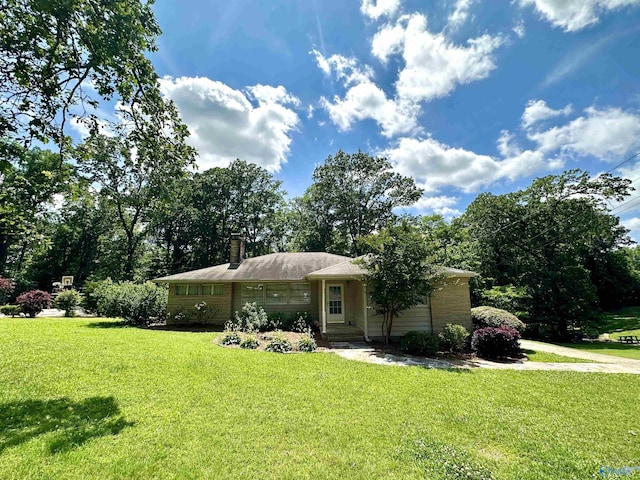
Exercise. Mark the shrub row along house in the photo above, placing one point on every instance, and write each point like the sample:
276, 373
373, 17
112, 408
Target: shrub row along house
331, 288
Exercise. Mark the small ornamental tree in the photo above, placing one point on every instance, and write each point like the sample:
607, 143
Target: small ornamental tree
398, 270
33, 302
6, 289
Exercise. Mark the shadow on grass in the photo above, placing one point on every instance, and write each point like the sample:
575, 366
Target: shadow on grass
602, 346
68, 424
162, 327
627, 318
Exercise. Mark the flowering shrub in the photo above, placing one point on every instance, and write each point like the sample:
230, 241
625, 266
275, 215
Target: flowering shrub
33, 302
230, 338
6, 289
279, 344
306, 343
496, 342
252, 318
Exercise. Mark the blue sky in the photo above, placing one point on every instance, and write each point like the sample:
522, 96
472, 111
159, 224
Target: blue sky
465, 96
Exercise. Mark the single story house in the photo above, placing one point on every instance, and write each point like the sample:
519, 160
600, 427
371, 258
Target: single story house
331, 288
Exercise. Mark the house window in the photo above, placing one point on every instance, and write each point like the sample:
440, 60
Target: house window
208, 290
300, 293
181, 289
252, 292
277, 294
193, 290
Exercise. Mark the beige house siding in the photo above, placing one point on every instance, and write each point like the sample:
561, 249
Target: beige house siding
312, 307
451, 303
185, 303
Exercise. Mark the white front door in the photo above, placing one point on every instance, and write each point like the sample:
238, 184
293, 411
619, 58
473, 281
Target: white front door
335, 303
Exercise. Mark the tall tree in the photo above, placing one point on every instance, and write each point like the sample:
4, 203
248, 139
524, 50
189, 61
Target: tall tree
353, 195
59, 54
131, 164
399, 270
545, 238
28, 183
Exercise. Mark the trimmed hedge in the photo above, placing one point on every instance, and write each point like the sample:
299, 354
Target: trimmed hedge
137, 303
454, 338
494, 317
496, 342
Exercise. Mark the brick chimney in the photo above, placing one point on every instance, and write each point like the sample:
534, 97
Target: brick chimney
236, 254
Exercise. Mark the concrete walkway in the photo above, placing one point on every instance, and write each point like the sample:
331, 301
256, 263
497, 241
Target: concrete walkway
575, 353
366, 353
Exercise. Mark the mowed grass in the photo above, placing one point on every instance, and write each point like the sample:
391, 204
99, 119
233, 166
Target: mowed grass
608, 348
81, 400
535, 356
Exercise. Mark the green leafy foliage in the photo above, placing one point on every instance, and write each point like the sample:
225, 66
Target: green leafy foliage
252, 318
454, 338
230, 338
33, 302
419, 343
68, 300
496, 342
507, 297
398, 268
443, 461
279, 344
352, 196
138, 304
494, 317
10, 310
306, 343
250, 342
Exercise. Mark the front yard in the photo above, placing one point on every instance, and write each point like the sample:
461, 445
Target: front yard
87, 398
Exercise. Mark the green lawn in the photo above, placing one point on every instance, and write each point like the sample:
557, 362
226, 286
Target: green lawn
535, 356
627, 318
608, 348
81, 400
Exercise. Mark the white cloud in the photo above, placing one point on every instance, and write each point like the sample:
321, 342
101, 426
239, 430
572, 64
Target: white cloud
631, 223
574, 15
374, 9
225, 124
519, 29
434, 66
442, 205
537, 110
460, 13
605, 134
365, 100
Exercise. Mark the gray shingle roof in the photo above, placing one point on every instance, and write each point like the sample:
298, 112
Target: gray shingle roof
285, 267
275, 266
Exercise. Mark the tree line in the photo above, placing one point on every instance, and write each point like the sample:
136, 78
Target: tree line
125, 203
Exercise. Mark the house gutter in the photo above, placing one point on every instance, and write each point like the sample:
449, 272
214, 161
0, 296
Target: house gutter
366, 313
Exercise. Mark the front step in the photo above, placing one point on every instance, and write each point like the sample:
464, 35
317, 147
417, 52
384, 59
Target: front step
344, 333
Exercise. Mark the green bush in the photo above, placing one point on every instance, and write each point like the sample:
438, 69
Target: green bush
279, 344
507, 297
298, 322
494, 317
419, 343
230, 338
10, 310
307, 343
275, 321
250, 342
68, 300
252, 318
137, 303
453, 338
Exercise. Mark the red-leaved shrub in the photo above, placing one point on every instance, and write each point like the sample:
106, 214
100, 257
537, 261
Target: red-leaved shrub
496, 342
33, 302
6, 288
